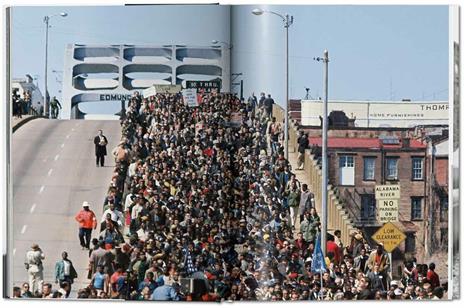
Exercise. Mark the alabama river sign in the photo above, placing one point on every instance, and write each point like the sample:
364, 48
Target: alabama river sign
387, 197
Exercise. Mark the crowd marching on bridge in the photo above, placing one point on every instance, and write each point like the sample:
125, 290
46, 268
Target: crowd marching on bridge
203, 207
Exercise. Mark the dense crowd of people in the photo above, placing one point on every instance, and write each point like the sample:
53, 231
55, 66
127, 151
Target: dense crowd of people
204, 207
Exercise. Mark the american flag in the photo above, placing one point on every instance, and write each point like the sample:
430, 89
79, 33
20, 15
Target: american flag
188, 263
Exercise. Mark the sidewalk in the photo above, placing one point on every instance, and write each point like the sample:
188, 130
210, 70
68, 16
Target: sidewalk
302, 177
18, 122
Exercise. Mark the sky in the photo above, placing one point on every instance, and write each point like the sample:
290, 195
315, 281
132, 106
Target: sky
376, 52
143, 25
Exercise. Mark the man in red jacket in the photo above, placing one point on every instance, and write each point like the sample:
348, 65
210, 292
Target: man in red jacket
87, 221
333, 249
432, 277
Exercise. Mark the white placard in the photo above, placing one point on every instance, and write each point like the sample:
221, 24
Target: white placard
151, 91
190, 97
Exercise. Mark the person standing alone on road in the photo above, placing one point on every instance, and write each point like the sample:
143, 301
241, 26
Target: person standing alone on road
34, 268
87, 221
100, 142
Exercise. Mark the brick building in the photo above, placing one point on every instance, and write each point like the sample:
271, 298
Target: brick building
357, 165
438, 192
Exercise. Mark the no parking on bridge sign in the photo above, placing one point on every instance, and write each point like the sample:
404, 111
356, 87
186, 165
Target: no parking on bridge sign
390, 236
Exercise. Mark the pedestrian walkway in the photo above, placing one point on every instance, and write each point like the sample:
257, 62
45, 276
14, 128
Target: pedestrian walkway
18, 122
303, 178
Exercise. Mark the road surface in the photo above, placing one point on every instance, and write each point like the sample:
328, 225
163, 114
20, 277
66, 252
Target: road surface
53, 172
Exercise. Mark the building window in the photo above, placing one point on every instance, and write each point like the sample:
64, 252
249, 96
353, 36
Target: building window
444, 208
346, 168
416, 208
368, 207
369, 168
391, 168
410, 243
417, 168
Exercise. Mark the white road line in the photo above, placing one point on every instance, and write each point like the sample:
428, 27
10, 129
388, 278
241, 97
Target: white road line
23, 229
50, 172
67, 137
62, 145
33, 207
14, 251
56, 157
72, 129
41, 189
45, 160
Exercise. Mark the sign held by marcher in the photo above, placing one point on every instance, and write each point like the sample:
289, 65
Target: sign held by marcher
190, 97
390, 236
168, 88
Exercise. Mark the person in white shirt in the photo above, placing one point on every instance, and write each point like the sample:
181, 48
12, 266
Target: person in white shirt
34, 268
137, 208
116, 215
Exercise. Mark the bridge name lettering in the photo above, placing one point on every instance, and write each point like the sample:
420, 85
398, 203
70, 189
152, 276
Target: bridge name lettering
115, 97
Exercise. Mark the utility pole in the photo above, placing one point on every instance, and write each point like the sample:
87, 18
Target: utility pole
288, 21
325, 119
46, 102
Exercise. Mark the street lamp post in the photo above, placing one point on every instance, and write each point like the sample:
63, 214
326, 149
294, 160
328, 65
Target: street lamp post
288, 21
325, 60
47, 21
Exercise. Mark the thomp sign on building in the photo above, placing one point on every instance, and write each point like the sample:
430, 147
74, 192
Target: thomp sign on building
380, 114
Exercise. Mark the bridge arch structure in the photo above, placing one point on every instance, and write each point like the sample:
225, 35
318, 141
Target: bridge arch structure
100, 73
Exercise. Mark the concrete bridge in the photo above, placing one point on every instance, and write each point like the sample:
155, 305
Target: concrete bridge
100, 73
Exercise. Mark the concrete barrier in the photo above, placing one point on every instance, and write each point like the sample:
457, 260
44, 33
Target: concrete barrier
338, 217
20, 122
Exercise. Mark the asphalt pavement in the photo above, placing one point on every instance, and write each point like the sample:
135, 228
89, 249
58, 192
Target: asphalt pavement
53, 172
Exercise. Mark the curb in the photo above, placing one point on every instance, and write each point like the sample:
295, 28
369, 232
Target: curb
21, 123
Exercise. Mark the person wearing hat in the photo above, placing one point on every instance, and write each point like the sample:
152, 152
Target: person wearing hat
34, 267
87, 221
357, 244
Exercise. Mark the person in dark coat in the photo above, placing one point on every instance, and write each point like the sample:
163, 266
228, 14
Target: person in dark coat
268, 103
100, 142
303, 144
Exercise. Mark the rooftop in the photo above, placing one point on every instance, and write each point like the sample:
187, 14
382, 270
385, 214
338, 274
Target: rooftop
364, 143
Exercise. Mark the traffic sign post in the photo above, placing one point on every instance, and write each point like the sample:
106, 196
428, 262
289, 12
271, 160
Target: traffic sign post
387, 192
387, 210
390, 236
387, 197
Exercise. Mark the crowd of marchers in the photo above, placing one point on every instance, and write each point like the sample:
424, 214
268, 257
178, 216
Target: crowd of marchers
203, 206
